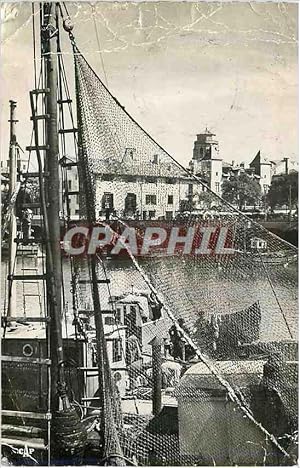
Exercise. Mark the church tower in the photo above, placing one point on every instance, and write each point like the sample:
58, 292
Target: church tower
206, 160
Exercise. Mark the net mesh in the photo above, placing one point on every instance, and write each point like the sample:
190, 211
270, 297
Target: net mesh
225, 319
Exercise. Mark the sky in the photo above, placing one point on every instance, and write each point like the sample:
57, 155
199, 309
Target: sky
177, 67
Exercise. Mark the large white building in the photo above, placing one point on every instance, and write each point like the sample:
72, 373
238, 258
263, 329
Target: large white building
147, 190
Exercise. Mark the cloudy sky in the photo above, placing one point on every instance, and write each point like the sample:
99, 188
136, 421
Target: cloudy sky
177, 68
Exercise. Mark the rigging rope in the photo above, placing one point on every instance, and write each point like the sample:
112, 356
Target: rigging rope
34, 44
276, 297
98, 42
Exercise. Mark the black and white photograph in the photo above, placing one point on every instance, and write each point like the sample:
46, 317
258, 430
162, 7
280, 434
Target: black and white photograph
149, 222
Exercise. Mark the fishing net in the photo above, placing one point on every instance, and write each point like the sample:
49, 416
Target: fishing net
221, 306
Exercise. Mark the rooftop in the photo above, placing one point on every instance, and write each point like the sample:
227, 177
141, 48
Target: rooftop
136, 168
199, 377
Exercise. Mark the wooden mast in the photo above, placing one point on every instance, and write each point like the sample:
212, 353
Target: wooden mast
12, 246
53, 264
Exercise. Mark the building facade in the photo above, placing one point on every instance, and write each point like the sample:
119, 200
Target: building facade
141, 190
263, 169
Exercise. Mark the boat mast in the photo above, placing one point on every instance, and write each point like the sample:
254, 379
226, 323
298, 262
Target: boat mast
12, 246
53, 264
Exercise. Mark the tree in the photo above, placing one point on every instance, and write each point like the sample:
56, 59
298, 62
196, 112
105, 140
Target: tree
284, 190
241, 189
205, 199
186, 205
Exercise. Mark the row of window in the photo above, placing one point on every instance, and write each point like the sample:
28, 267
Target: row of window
145, 179
152, 199
131, 200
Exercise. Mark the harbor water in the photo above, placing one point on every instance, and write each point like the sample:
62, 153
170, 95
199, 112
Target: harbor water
279, 313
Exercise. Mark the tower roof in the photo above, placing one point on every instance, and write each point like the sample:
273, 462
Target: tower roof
259, 159
206, 132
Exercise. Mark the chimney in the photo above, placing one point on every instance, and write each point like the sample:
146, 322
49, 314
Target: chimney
286, 165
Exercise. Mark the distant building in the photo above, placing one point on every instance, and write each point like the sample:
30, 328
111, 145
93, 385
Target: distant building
232, 169
262, 168
206, 162
285, 166
22, 166
70, 186
213, 171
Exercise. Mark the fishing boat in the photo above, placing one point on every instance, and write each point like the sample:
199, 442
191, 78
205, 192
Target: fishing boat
127, 369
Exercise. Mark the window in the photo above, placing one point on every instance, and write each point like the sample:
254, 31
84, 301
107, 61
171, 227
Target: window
155, 159
217, 173
169, 215
109, 321
208, 151
77, 212
69, 184
130, 203
170, 180
133, 315
151, 180
217, 186
150, 199
107, 201
129, 153
152, 214
130, 178
170, 199
117, 350
118, 315
107, 177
